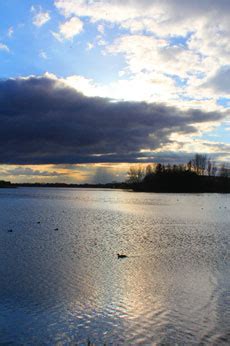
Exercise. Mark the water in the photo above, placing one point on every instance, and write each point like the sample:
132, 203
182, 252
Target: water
67, 286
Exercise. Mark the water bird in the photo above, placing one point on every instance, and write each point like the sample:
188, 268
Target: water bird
56, 229
121, 256
38, 222
10, 230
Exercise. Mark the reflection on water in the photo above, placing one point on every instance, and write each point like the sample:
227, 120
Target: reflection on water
67, 286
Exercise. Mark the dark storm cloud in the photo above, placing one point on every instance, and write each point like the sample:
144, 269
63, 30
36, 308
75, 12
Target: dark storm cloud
44, 121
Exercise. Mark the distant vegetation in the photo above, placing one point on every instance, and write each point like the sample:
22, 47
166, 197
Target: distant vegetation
199, 175
113, 185
5, 184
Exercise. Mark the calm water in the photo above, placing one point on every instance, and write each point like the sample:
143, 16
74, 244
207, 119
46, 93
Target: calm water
67, 286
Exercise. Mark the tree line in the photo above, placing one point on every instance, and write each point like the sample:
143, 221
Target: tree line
200, 173
4, 183
200, 165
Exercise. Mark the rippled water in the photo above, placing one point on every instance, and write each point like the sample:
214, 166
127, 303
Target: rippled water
66, 286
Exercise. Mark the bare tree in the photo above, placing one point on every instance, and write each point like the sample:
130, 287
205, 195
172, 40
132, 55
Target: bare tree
214, 169
209, 168
136, 174
149, 169
199, 163
189, 166
224, 171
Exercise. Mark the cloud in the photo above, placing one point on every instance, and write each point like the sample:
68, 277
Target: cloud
69, 29
43, 54
187, 41
4, 47
101, 29
43, 121
40, 17
220, 82
164, 12
10, 31
143, 52
89, 46
26, 171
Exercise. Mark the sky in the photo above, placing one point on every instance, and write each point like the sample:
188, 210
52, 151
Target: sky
88, 88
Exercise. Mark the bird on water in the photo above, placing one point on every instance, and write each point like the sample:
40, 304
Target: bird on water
121, 256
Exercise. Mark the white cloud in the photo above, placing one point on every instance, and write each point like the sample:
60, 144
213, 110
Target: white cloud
43, 54
4, 47
187, 144
186, 44
164, 12
69, 29
89, 46
57, 36
40, 17
101, 28
142, 88
10, 31
101, 41
150, 87
121, 73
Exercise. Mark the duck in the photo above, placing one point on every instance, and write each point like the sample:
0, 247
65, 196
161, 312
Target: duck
121, 256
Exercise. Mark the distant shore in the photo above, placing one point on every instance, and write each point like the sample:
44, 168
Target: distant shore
6, 184
157, 183
65, 185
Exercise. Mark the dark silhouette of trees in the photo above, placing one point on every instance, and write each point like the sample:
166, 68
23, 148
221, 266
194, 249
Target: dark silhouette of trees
224, 171
209, 168
189, 166
214, 170
4, 183
198, 175
135, 174
159, 168
199, 163
149, 169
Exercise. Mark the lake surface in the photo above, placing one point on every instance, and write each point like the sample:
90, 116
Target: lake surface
67, 286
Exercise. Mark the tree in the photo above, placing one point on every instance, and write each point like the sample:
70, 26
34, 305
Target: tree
209, 169
189, 166
199, 163
224, 171
135, 174
159, 168
214, 169
148, 170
